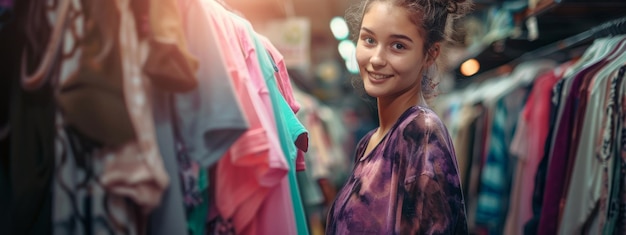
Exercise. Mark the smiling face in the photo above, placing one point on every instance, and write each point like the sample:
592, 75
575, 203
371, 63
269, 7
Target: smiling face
390, 52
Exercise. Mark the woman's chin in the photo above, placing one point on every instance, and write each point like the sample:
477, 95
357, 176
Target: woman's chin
373, 93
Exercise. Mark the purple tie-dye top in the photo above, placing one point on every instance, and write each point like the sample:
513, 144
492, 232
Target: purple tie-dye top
408, 184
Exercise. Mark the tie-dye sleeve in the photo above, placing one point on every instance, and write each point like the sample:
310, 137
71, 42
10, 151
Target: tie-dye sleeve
432, 201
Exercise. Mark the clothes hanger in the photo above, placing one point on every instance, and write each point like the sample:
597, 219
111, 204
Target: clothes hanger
524, 74
592, 55
478, 93
614, 60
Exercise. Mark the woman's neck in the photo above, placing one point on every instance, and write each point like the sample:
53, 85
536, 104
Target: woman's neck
390, 108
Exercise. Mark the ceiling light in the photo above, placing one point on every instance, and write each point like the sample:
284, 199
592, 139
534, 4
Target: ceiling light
470, 67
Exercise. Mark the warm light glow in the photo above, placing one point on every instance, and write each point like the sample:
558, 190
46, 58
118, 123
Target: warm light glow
339, 28
346, 49
470, 67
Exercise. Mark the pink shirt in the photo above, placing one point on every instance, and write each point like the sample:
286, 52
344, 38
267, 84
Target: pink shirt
276, 215
253, 165
284, 85
528, 144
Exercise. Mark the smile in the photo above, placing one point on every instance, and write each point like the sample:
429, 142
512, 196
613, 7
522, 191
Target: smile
377, 76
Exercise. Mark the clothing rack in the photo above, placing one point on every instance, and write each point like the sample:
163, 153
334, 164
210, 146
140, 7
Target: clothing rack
610, 28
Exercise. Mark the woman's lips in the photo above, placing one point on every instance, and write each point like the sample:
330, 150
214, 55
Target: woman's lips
377, 77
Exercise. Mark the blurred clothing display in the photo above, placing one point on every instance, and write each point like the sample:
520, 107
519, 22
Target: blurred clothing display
135, 117
551, 155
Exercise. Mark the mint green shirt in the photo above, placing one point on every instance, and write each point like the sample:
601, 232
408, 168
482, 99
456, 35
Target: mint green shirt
289, 129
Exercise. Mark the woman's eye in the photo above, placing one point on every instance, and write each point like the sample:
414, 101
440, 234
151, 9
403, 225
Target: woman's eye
398, 46
369, 40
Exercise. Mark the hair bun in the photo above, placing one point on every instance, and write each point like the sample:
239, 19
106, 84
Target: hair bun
458, 8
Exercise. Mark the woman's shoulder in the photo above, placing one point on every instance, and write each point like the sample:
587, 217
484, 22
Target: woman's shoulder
421, 120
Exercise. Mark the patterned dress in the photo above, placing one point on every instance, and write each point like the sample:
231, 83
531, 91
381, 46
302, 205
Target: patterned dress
408, 184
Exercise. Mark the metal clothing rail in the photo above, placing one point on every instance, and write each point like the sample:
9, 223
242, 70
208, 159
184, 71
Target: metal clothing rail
607, 29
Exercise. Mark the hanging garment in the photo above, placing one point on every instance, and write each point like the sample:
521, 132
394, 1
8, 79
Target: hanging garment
528, 146
29, 165
466, 115
556, 172
277, 206
620, 227
578, 124
612, 209
318, 156
139, 177
169, 216
282, 76
532, 225
92, 99
292, 134
561, 148
250, 167
210, 117
593, 163
478, 151
81, 204
197, 214
497, 173
284, 85
115, 174
169, 65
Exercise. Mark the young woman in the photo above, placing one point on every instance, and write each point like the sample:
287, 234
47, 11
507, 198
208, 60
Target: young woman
405, 179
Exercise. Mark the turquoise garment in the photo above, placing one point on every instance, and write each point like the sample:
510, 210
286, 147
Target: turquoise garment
197, 216
497, 173
289, 128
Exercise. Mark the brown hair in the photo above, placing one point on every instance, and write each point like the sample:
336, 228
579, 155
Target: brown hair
436, 17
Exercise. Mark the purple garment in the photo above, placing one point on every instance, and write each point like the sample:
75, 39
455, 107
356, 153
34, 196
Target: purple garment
408, 184
557, 167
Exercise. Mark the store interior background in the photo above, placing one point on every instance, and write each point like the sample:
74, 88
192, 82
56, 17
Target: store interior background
498, 35
493, 42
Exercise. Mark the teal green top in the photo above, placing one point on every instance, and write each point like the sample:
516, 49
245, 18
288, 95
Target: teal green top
197, 215
289, 128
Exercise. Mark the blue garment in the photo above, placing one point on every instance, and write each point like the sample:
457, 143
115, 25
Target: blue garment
210, 119
497, 174
169, 216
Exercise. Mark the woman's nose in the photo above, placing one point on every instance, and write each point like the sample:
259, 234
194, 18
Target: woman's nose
378, 58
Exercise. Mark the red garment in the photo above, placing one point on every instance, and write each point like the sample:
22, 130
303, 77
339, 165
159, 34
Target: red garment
528, 145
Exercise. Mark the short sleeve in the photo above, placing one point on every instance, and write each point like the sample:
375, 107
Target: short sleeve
282, 76
211, 117
432, 200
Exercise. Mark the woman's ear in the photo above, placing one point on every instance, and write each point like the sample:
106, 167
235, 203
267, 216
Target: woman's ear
433, 53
